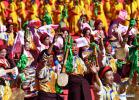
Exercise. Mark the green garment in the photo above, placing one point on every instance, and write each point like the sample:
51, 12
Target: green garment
47, 18
22, 76
64, 13
133, 57
21, 64
25, 25
132, 22
96, 8
58, 89
120, 63
69, 65
92, 46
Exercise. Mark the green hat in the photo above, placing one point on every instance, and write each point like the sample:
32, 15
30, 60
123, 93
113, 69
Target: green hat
25, 24
132, 22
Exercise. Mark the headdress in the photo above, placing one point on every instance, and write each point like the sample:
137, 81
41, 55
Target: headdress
104, 70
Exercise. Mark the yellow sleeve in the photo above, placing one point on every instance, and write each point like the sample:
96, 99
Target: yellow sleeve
3, 7
107, 6
137, 4
7, 92
119, 6
70, 5
22, 4
134, 6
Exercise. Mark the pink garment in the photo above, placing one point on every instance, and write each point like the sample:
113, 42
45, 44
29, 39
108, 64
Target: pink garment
19, 41
123, 29
98, 34
35, 23
2, 28
123, 14
59, 43
47, 29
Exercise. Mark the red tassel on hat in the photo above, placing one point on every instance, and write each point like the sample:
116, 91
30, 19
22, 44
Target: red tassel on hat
107, 44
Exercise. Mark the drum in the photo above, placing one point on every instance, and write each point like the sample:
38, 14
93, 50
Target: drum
62, 79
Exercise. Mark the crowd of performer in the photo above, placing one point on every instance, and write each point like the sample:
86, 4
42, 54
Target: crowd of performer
88, 47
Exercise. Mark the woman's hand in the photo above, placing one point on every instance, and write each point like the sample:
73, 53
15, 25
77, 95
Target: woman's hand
13, 71
8, 70
93, 68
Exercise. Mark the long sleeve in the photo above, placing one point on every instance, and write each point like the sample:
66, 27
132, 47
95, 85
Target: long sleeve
43, 73
2, 72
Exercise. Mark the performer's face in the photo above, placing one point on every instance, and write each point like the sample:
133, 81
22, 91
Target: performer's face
50, 60
114, 27
27, 46
41, 2
100, 26
60, 57
109, 49
11, 28
109, 78
84, 19
47, 41
87, 33
65, 34
75, 50
10, 21
3, 53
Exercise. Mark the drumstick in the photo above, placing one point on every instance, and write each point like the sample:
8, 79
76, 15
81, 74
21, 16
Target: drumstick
131, 17
66, 56
95, 51
96, 55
